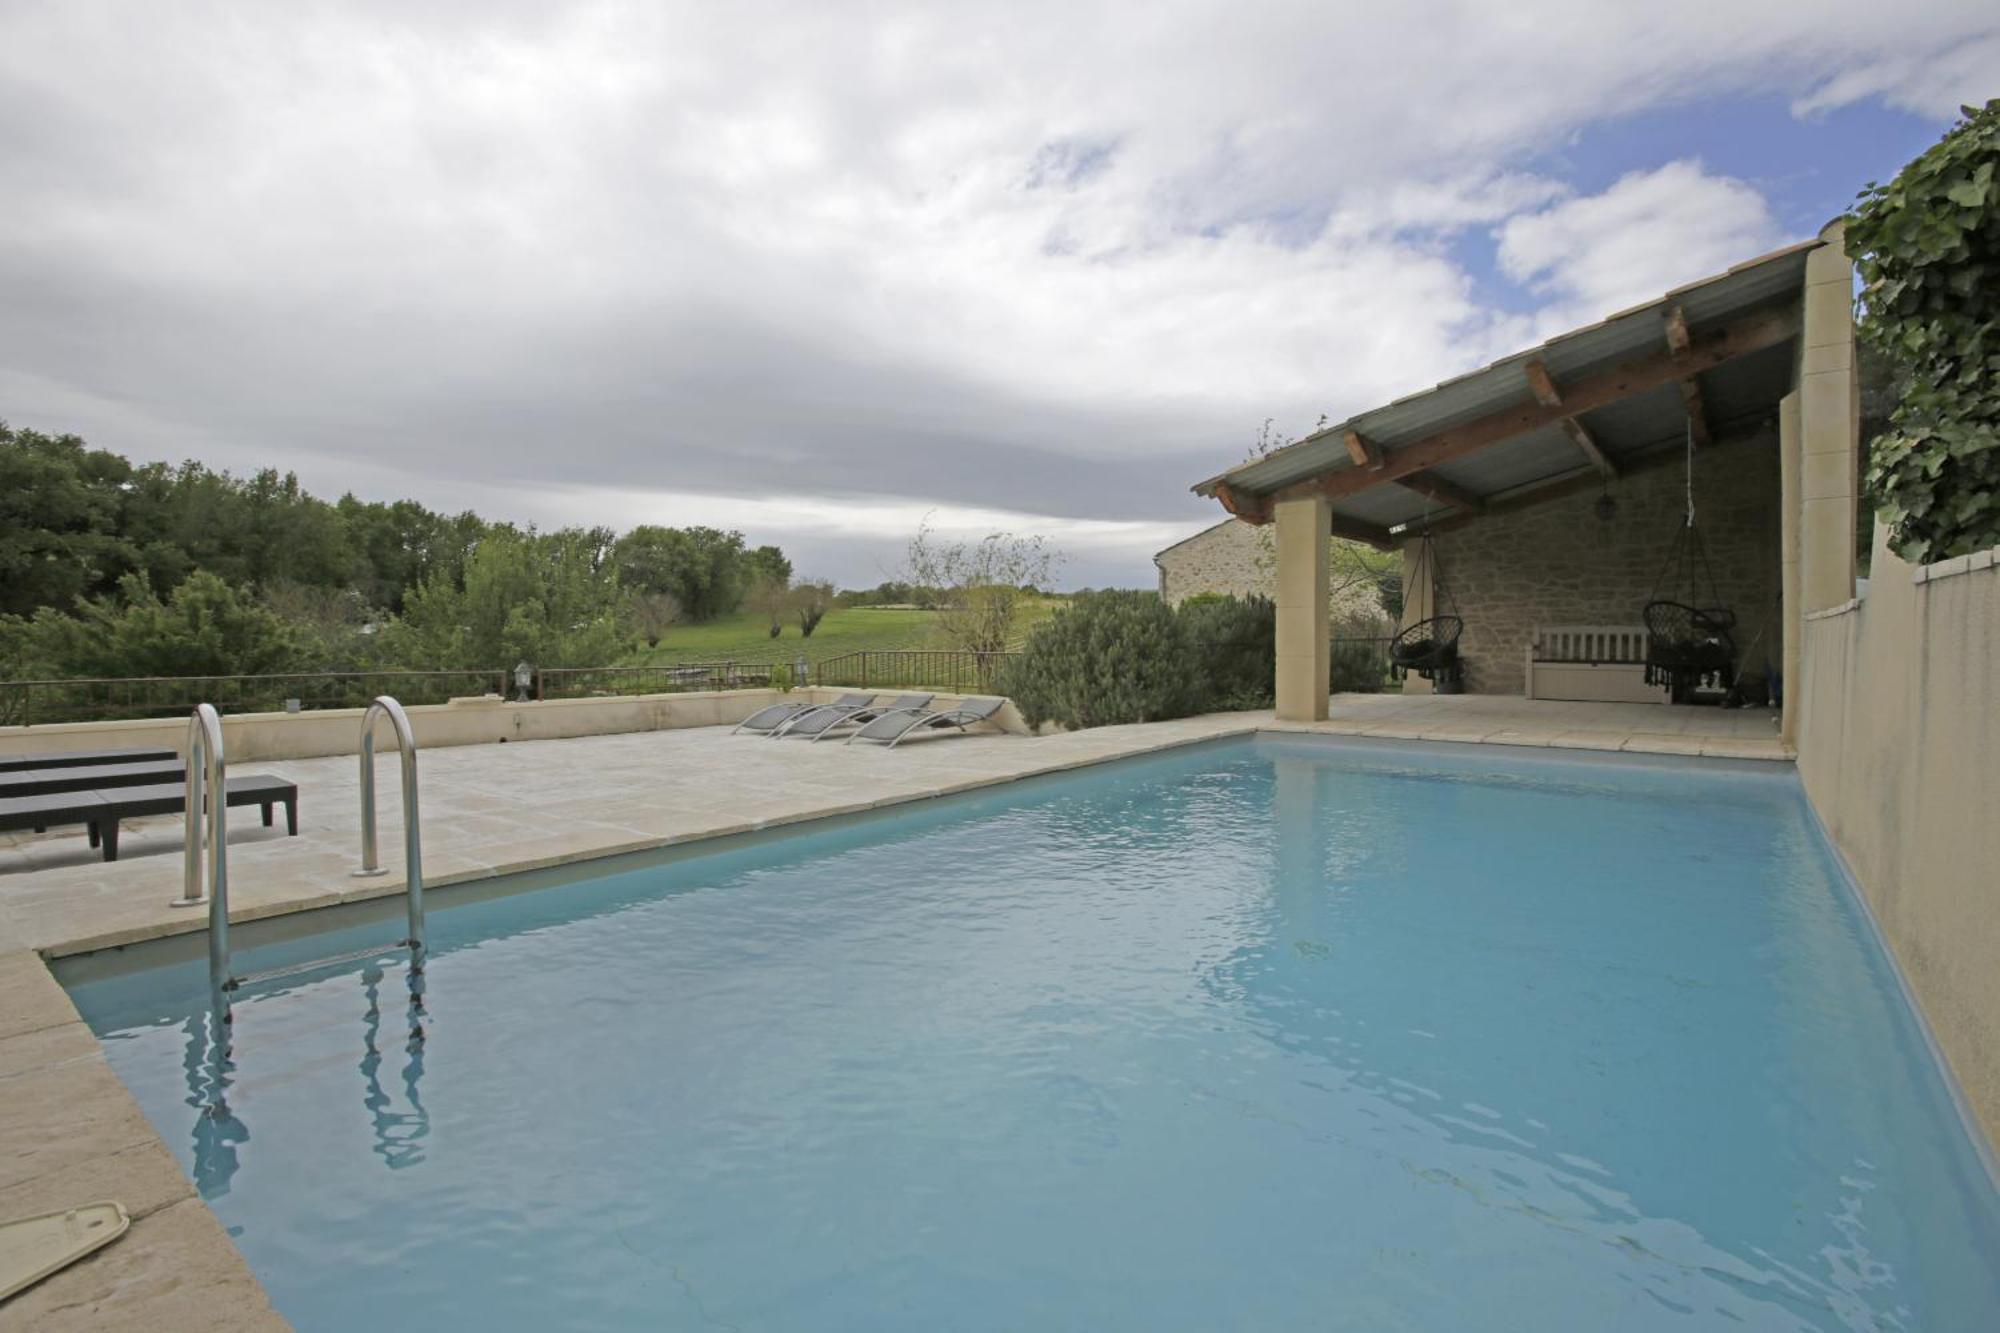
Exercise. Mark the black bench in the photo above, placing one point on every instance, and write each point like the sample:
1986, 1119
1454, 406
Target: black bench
95, 777
101, 810
17, 763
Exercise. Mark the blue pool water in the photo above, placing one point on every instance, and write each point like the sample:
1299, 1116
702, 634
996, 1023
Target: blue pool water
1265, 1035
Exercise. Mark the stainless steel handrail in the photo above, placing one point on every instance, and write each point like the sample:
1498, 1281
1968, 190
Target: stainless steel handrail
413, 855
207, 781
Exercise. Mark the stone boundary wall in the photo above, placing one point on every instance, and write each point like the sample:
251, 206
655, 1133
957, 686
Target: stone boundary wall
1899, 751
1554, 562
484, 720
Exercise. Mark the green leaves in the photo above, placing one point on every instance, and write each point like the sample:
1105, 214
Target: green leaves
1122, 656
1927, 247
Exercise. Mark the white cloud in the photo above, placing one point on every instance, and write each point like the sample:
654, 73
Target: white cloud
1050, 258
1931, 83
1649, 232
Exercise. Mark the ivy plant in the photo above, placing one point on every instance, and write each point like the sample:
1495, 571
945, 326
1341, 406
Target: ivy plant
1927, 246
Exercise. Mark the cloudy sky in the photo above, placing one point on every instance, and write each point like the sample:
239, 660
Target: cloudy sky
815, 271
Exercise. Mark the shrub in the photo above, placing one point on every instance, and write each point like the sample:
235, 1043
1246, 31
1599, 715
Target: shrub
1927, 246
204, 628
1106, 658
1235, 646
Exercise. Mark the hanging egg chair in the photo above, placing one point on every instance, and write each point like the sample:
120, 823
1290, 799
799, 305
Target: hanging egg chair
1429, 647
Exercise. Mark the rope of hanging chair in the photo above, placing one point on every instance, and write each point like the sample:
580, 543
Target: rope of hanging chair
1429, 565
1688, 550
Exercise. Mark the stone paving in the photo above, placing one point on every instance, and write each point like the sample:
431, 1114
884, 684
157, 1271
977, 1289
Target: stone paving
70, 1133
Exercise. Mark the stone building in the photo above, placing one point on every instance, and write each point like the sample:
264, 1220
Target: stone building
1233, 557
1237, 559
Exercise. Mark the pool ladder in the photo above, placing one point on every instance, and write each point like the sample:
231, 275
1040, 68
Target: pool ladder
207, 781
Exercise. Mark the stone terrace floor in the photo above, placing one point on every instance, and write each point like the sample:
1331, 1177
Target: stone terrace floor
489, 810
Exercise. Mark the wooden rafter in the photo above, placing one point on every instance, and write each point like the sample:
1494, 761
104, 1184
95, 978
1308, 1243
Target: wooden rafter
1544, 388
1548, 395
1697, 412
1250, 508
1257, 509
1751, 334
1364, 451
1678, 340
1579, 435
1433, 487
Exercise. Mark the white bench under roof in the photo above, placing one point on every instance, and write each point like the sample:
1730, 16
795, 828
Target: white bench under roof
1595, 663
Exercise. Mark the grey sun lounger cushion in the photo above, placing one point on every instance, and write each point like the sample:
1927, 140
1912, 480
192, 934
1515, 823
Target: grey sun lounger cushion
770, 718
893, 725
816, 727
20, 763
841, 707
46, 781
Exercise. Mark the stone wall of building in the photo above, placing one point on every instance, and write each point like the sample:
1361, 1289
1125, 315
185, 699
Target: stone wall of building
1554, 562
1237, 559
1232, 557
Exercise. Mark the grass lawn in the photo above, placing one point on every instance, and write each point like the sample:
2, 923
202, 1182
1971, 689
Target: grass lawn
744, 637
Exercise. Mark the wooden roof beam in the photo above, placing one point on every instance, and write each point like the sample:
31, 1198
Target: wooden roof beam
1544, 388
1364, 451
1580, 436
1548, 395
1678, 341
1433, 487
1697, 412
1257, 509
1753, 333
1250, 508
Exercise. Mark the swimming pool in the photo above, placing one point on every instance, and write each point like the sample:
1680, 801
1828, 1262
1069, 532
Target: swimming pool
1279, 1033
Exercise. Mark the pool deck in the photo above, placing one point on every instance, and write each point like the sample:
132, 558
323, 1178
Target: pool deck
70, 1133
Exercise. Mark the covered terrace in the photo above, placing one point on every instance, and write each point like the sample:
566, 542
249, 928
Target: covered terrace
1550, 491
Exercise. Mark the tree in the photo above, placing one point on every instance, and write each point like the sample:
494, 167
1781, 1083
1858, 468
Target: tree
767, 562
525, 596
204, 628
1927, 247
769, 599
59, 521
810, 600
653, 613
982, 585
705, 568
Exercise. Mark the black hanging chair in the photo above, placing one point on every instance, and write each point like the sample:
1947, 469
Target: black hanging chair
1430, 647
1690, 643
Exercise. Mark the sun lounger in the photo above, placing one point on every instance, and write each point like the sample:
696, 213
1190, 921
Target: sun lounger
846, 702
100, 810
48, 781
820, 725
894, 724
769, 719
20, 763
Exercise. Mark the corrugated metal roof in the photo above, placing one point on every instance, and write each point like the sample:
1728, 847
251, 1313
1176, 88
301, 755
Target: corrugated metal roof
1635, 423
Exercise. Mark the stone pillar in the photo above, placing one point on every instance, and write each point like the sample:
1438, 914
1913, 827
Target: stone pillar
1304, 528
1419, 601
1829, 427
1791, 609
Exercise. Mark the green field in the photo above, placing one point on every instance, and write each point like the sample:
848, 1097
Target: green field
744, 637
